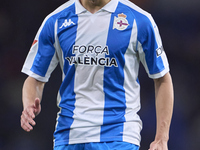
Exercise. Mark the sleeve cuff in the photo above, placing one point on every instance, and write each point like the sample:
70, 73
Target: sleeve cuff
36, 76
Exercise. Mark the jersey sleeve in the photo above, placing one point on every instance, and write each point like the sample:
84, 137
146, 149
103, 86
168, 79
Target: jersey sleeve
42, 58
150, 48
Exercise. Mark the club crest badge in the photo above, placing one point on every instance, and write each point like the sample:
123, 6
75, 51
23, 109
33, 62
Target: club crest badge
120, 22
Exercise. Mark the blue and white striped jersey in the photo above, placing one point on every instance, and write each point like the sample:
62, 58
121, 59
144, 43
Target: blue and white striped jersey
99, 55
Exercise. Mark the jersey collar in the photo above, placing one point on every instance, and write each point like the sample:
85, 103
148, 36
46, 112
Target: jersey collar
110, 7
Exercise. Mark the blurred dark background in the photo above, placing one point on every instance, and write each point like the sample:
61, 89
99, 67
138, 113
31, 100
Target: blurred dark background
179, 25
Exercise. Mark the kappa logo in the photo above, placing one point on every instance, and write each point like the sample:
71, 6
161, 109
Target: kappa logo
120, 22
67, 23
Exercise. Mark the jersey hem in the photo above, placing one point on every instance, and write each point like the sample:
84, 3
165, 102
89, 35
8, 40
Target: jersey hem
109, 139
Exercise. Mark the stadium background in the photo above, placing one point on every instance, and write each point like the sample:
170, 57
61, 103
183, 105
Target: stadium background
179, 23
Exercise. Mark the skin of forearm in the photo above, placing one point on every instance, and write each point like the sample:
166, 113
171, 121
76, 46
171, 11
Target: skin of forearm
32, 89
164, 106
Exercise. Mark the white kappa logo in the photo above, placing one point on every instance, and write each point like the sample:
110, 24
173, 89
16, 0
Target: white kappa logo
67, 23
120, 22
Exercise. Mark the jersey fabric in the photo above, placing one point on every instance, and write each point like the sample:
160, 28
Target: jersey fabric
99, 55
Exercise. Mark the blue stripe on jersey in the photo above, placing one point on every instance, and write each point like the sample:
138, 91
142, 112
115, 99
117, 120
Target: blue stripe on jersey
115, 103
146, 36
67, 36
138, 81
46, 49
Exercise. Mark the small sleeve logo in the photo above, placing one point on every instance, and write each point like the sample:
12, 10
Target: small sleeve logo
34, 42
159, 51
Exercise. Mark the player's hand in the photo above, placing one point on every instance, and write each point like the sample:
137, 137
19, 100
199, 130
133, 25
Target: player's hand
28, 115
158, 145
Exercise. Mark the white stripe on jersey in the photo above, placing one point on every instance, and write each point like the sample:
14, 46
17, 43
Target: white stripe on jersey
100, 23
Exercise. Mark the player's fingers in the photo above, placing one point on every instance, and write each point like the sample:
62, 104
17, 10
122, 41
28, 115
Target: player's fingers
27, 128
27, 118
30, 112
25, 124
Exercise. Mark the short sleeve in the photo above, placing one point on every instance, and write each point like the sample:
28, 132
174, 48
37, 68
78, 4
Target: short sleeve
42, 59
150, 48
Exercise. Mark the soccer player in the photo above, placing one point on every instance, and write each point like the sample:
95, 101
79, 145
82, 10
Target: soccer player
99, 45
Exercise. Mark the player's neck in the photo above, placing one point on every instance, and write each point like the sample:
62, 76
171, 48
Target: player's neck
93, 5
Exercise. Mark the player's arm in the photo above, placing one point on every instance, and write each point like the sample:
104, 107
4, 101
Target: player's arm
31, 98
164, 108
